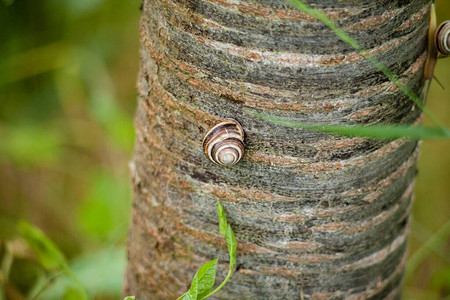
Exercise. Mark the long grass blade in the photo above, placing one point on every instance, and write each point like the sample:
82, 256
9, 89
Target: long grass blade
385, 132
434, 242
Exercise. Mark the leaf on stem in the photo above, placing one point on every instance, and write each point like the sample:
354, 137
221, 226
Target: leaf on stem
222, 219
232, 244
206, 277
193, 291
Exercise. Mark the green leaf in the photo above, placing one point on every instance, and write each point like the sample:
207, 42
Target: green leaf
222, 219
129, 298
206, 277
193, 291
232, 244
47, 252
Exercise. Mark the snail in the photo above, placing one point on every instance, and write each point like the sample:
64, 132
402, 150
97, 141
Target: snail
442, 39
224, 143
438, 43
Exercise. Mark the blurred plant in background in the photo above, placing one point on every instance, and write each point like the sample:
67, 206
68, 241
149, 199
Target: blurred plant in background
67, 98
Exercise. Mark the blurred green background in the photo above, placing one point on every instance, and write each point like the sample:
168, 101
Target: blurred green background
67, 97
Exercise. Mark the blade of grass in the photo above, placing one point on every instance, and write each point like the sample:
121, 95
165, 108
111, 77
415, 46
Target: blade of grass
435, 241
300, 5
422, 234
46, 251
368, 131
6, 264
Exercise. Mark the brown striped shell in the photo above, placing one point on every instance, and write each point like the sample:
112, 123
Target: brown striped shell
438, 43
224, 143
442, 39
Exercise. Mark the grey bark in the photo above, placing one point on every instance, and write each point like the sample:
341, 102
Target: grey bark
316, 216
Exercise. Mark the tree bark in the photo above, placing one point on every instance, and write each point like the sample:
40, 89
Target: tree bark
316, 216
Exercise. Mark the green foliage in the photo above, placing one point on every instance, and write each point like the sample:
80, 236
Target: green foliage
55, 278
67, 94
232, 244
193, 291
204, 279
51, 258
222, 219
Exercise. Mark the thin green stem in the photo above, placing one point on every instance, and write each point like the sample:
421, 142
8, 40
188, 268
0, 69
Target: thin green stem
42, 283
435, 241
300, 5
181, 297
230, 271
422, 234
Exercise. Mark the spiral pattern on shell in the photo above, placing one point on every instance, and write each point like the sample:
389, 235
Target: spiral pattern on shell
224, 143
442, 39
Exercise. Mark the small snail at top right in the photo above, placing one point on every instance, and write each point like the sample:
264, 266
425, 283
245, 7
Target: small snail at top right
442, 39
438, 43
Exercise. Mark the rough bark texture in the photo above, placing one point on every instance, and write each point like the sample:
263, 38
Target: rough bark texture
316, 216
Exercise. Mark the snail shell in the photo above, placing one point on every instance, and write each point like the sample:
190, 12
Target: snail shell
442, 39
438, 43
224, 143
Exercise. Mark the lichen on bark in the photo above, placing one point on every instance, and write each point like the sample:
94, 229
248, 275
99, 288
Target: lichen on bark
316, 216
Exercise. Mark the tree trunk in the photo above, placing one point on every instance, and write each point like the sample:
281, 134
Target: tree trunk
316, 216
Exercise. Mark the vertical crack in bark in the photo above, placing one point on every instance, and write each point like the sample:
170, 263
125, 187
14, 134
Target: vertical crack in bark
316, 216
